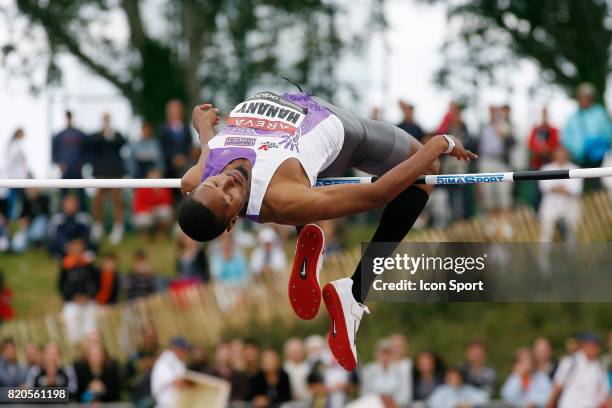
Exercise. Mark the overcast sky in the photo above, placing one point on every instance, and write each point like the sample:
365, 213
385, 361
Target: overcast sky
414, 37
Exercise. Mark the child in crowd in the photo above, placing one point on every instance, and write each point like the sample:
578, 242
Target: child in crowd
109, 280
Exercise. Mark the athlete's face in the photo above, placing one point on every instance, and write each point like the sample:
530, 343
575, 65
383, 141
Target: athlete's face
225, 194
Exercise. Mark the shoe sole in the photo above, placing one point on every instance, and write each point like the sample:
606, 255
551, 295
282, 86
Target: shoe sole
339, 341
304, 290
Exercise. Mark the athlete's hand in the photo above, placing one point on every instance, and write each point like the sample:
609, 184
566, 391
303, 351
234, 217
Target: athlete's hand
460, 152
204, 117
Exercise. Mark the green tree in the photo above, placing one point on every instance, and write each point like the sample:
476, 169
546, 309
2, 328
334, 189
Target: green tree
194, 50
570, 40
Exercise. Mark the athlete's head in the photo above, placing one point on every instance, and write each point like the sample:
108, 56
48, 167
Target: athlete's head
214, 205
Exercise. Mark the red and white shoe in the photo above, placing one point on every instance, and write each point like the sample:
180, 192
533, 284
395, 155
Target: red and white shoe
345, 314
304, 289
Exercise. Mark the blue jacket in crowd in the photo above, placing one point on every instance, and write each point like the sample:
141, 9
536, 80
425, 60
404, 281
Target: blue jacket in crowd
588, 135
69, 150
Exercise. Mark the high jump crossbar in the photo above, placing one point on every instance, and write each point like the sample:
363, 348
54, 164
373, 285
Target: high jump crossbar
473, 178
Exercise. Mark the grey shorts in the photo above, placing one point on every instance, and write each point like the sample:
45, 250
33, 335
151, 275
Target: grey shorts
369, 145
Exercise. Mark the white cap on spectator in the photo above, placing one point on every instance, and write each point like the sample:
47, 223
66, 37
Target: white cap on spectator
266, 234
314, 342
384, 344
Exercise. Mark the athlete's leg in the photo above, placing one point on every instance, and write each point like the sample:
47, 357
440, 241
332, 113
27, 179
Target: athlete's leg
397, 220
374, 147
344, 297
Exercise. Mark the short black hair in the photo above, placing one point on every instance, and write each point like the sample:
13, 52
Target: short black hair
198, 221
139, 254
110, 255
8, 341
249, 341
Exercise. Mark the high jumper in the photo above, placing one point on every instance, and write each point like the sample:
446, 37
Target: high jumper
263, 166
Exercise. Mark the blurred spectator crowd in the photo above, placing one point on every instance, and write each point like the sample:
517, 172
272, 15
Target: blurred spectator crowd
305, 374
106, 153
584, 141
32, 217
72, 227
86, 283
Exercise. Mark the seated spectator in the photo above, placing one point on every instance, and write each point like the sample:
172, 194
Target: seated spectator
330, 384
32, 223
139, 367
270, 386
316, 348
78, 283
152, 208
408, 123
67, 225
140, 281
560, 200
51, 372
105, 153
384, 378
606, 359
475, 370
543, 140
237, 346
146, 153
12, 373
6, 301
97, 376
526, 388
251, 353
399, 350
581, 380
32, 354
454, 393
191, 261
169, 372
297, 369
229, 266
108, 292
543, 358
223, 369
427, 374
197, 359
92, 338
268, 257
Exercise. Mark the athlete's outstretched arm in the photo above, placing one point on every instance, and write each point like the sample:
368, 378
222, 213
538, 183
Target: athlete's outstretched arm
314, 204
204, 118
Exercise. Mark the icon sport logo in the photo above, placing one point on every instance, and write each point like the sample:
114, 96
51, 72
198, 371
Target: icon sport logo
470, 178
